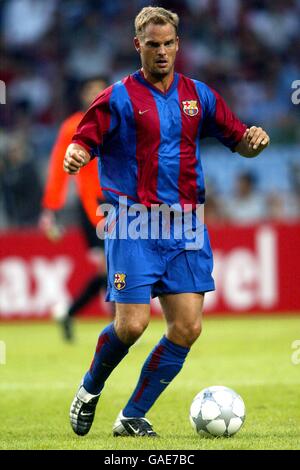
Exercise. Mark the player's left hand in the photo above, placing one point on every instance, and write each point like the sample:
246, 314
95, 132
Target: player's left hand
257, 139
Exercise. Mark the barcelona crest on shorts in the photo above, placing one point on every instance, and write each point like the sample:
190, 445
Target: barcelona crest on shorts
190, 107
120, 281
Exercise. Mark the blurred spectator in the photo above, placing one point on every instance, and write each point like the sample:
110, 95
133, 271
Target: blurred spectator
20, 185
247, 205
31, 88
90, 58
293, 200
25, 22
286, 206
213, 209
277, 25
275, 207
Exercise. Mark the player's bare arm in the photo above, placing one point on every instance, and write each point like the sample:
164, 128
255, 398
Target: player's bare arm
76, 157
254, 141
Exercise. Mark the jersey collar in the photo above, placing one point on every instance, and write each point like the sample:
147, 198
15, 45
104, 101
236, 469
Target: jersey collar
139, 76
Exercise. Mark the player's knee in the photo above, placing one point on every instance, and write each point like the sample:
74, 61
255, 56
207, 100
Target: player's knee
192, 333
188, 332
130, 331
134, 330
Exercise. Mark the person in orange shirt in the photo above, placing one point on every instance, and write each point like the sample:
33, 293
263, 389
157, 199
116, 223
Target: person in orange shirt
90, 196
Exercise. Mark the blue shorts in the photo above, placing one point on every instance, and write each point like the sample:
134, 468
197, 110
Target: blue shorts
139, 269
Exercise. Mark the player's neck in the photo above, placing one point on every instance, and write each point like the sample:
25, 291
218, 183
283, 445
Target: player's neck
161, 83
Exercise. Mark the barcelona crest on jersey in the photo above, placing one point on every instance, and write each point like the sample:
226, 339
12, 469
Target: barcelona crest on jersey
120, 281
190, 107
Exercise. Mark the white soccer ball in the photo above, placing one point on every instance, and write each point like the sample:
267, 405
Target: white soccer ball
217, 411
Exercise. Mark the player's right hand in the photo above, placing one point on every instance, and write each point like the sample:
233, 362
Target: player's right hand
76, 157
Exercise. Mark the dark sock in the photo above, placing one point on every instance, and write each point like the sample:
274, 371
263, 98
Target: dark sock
160, 368
110, 351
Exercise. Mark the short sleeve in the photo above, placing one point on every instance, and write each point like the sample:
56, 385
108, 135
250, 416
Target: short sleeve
95, 125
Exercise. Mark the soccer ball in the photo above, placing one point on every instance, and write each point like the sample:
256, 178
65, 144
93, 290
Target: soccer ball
217, 411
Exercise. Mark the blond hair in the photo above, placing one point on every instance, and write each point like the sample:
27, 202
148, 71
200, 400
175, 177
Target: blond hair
154, 15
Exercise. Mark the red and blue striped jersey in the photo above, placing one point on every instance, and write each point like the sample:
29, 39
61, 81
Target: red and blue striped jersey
149, 141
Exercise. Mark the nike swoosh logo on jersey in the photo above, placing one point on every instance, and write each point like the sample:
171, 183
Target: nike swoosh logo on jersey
86, 414
143, 112
163, 381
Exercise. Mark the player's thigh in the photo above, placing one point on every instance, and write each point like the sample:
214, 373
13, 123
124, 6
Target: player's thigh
182, 306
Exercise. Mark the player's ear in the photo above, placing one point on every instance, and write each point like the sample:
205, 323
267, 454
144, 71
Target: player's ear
137, 45
177, 44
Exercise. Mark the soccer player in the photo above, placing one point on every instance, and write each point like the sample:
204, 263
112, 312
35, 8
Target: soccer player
146, 130
90, 196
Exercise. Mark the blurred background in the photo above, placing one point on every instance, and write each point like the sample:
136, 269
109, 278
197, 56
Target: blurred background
248, 50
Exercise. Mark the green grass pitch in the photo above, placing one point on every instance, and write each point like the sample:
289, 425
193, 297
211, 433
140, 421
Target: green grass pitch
251, 355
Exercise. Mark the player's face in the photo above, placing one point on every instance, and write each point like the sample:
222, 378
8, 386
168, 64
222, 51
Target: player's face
158, 48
